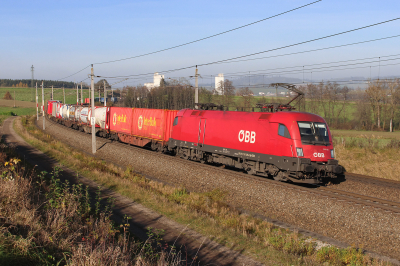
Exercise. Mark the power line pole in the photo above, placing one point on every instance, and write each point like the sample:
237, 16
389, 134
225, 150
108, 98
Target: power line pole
52, 93
32, 69
64, 93
77, 93
37, 106
92, 117
14, 99
81, 94
196, 92
105, 93
43, 118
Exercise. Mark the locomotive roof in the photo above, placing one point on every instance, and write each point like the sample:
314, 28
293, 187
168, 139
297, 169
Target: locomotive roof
271, 117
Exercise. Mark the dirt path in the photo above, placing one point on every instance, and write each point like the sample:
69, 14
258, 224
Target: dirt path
207, 251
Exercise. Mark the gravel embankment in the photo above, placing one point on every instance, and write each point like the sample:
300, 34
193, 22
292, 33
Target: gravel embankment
378, 190
374, 229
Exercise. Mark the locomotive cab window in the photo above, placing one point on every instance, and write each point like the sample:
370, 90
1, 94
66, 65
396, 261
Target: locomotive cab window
314, 133
175, 121
283, 131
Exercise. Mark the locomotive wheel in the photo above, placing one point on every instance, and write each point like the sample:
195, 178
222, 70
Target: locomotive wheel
250, 171
281, 176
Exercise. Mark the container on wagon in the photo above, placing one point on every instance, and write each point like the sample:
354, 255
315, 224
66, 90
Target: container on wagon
50, 104
71, 113
78, 113
120, 120
153, 123
65, 111
84, 115
100, 115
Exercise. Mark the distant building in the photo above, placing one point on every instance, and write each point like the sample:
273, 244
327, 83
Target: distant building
261, 93
156, 81
219, 83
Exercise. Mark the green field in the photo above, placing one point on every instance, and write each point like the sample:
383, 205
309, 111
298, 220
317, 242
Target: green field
11, 111
362, 139
28, 94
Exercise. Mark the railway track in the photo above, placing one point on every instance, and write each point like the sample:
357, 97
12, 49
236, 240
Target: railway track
322, 191
373, 180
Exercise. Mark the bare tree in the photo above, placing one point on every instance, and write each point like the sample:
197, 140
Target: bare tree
246, 100
227, 91
376, 96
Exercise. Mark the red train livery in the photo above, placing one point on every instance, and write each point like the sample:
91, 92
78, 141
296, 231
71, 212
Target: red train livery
286, 145
293, 146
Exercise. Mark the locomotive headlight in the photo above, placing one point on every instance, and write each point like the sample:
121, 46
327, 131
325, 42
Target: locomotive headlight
299, 152
332, 154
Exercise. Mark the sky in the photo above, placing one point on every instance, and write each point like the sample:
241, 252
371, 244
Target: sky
60, 38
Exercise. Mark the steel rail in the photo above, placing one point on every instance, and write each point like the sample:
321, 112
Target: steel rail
373, 180
339, 195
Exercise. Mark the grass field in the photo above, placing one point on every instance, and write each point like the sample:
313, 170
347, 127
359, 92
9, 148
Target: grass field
28, 94
12, 111
373, 153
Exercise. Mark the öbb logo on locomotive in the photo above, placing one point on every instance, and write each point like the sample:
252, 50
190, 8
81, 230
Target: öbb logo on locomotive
247, 136
320, 155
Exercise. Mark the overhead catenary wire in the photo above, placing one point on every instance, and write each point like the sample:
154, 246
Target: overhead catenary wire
309, 69
74, 73
255, 72
266, 51
355, 81
299, 43
313, 50
208, 37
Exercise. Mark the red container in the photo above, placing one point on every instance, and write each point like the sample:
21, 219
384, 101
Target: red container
120, 120
153, 123
50, 104
140, 126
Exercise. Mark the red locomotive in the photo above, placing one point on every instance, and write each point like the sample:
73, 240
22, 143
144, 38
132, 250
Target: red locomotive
293, 146
286, 145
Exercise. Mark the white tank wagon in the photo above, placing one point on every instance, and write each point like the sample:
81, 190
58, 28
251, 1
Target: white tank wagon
100, 115
65, 112
71, 113
84, 115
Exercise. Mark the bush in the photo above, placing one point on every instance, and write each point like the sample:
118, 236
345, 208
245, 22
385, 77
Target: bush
7, 96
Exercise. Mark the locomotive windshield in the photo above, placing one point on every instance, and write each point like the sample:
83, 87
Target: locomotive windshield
314, 133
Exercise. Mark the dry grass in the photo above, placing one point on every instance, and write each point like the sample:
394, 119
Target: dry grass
204, 212
44, 222
367, 156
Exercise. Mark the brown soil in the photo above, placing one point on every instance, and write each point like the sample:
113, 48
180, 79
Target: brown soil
10, 103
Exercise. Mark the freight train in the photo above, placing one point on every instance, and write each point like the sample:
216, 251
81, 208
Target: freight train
288, 146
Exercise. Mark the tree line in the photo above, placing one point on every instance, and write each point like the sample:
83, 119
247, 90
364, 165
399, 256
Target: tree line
26, 83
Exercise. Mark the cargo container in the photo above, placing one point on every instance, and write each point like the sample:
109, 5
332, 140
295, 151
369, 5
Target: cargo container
51, 107
100, 115
141, 126
120, 120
